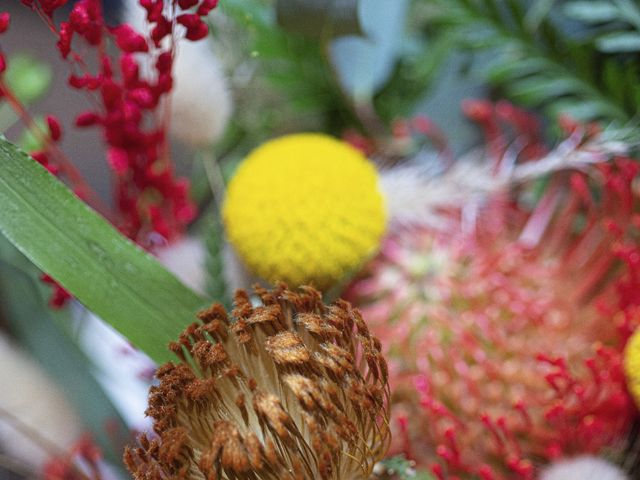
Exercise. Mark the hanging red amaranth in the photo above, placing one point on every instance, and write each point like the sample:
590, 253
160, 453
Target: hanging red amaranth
152, 204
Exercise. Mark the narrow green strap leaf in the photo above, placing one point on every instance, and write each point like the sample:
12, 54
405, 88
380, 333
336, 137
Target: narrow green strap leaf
110, 275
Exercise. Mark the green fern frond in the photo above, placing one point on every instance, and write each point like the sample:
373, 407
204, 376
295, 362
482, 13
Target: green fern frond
541, 63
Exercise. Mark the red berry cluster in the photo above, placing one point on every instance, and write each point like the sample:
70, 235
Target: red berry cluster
128, 91
150, 199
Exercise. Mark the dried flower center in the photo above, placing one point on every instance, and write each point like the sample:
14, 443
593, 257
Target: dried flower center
291, 389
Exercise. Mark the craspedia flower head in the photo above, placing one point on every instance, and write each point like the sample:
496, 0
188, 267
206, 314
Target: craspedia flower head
632, 365
290, 389
305, 208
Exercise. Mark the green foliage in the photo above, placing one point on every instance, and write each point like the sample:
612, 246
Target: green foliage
402, 469
541, 63
214, 240
27, 77
29, 140
363, 64
614, 26
416, 72
106, 272
319, 18
291, 85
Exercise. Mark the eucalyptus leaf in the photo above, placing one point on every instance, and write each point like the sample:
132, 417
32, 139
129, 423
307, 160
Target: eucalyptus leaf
619, 42
110, 275
365, 63
319, 18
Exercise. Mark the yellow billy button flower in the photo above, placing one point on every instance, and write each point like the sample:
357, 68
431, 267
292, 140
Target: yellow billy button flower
632, 365
305, 208
288, 390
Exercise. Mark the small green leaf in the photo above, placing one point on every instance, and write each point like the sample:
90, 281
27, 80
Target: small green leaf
583, 111
619, 42
509, 69
536, 90
591, 11
29, 141
537, 13
110, 275
317, 18
27, 77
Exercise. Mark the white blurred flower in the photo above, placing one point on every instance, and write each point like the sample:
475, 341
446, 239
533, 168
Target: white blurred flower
584, 467
29, 396
201, 103
186, 260
123, 372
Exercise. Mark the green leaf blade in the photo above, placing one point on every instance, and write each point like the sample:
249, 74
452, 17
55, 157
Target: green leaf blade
106, 272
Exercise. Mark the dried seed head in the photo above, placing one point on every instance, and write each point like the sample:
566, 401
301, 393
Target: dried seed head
291, 389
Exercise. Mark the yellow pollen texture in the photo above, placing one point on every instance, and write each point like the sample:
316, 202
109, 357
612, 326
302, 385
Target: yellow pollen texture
632, 365
305, 209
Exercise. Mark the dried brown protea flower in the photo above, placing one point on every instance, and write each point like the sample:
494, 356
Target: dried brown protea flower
292, 389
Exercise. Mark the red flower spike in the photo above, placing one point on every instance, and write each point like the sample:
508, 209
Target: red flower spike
132, 128
50, 6
161, 30
87, 119
130, 70
79, 20
40, 157
130, 41
5, 18
206, 6
185, 4
65, 35
142, 97
55, 130
3, 67
164, 62
196, 28
118, 160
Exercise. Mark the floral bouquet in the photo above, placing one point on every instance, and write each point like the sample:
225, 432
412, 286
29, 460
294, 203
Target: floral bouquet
290, 239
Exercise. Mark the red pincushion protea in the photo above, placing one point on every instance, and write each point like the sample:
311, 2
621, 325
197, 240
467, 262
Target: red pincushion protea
505, 346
